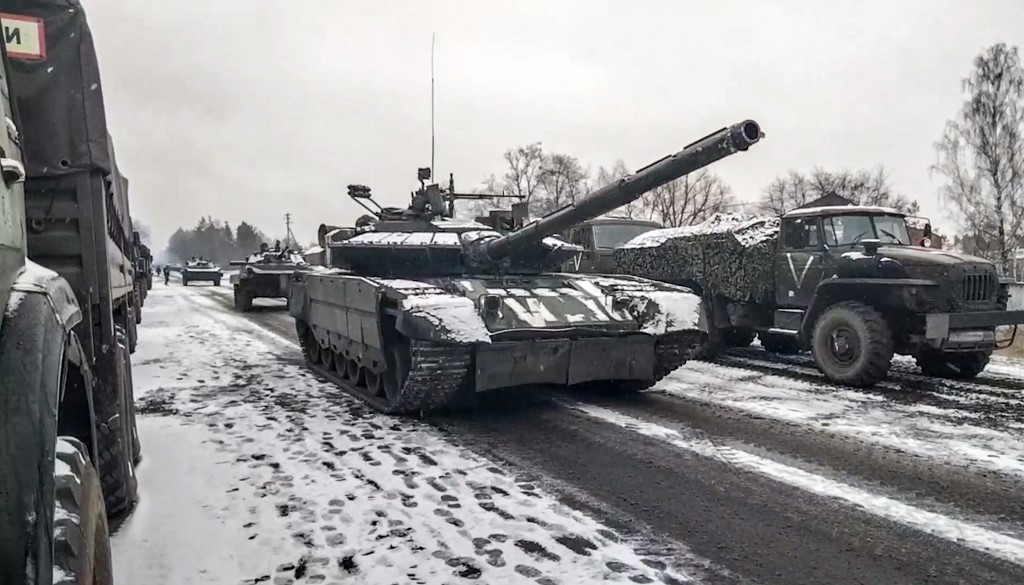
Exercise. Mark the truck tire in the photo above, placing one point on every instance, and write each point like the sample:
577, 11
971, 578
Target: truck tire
81, 536
216, 282
114, 432
779, 344
132, 425
712, 347
952, 365
852, 344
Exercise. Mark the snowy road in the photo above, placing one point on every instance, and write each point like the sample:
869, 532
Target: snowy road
748, 470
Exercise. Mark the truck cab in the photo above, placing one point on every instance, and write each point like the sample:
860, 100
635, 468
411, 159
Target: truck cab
599, 238
851, 286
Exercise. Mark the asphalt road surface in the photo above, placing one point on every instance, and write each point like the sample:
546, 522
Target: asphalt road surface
750, 469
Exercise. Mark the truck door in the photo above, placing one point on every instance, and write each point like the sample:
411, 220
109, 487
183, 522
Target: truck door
799, 263
584, 262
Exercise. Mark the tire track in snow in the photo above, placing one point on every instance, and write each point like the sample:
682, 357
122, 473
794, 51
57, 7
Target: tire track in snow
981, 539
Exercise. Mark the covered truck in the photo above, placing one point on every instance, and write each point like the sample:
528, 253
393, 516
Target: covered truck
68, 442
844, 282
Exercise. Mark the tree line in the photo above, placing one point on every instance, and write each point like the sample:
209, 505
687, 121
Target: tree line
215, 240
547, 181
980, 160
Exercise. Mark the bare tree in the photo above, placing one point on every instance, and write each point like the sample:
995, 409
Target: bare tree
638, 209
523, 175
563, 180
862, 187
981, 154
690, 199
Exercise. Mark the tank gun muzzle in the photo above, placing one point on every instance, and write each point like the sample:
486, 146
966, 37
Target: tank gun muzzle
703, 152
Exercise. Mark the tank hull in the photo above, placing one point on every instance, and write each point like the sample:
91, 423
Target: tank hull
406, 346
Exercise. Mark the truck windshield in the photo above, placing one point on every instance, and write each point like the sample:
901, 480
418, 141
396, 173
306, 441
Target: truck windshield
846, 230
612, 235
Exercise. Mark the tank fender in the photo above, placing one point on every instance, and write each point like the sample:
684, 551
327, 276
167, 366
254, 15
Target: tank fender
881, 293
444, 318
33, 338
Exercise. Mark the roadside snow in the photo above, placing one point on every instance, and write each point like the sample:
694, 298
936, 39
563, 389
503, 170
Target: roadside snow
953, 436
258, 472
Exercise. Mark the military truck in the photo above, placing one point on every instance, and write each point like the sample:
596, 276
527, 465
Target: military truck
423, 311
201, 271
599, 237
266, 274
843, 282
67, 419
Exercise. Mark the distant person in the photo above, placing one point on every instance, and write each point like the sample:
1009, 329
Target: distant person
167, 274
277, 245
264, 248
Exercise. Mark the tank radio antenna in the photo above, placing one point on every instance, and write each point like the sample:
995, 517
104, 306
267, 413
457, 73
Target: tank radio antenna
432, 36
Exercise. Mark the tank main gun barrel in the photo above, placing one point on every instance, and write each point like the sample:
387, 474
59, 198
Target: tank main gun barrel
701, 153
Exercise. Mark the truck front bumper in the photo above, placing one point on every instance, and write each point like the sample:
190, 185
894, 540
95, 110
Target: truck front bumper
951, 330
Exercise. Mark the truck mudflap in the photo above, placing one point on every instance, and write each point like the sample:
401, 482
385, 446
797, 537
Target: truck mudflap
564, 361
951, 327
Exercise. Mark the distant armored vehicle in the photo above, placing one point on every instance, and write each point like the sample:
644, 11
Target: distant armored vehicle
266, 275
422, 311
201, 271
844, 282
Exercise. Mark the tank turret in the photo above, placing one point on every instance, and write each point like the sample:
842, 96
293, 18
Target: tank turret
425, 240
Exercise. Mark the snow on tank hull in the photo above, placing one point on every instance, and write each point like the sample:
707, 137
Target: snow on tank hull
408, 346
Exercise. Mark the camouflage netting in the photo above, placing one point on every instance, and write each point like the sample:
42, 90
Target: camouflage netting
729, 254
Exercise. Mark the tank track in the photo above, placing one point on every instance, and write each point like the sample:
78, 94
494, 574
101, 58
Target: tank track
437, 375
672, 351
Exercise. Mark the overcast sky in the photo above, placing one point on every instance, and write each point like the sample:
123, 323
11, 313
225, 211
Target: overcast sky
245, 110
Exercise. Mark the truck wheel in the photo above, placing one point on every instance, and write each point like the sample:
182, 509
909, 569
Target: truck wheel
738, 336
130, 385
780, 344
216, 282
184, 281
852, 344
114, 418
952, 365
81, 537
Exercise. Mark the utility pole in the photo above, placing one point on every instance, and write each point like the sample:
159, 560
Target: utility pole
289, 236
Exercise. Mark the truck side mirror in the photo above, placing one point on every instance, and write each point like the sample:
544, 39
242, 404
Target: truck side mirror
871, 246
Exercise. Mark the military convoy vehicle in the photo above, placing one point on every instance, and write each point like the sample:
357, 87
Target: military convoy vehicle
265, 275
422, 311
201, 271
599, 237
68, 442
843, 282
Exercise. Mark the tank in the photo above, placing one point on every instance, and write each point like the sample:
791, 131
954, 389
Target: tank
419, 311
201, 271
265, 274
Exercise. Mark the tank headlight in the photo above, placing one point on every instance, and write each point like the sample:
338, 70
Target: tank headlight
491, 304
621, 302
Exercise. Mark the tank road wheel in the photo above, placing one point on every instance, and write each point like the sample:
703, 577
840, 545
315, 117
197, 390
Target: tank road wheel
852, 344
81, 540
312, 348
353, 373
399, 362
374, 382
340, 364
952, 365
243, 300
327, 358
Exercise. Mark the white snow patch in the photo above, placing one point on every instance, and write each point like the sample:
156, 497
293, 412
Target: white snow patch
748, 230
401, 283
976, 537
941, 434
455, 316
675, 311
854, 255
